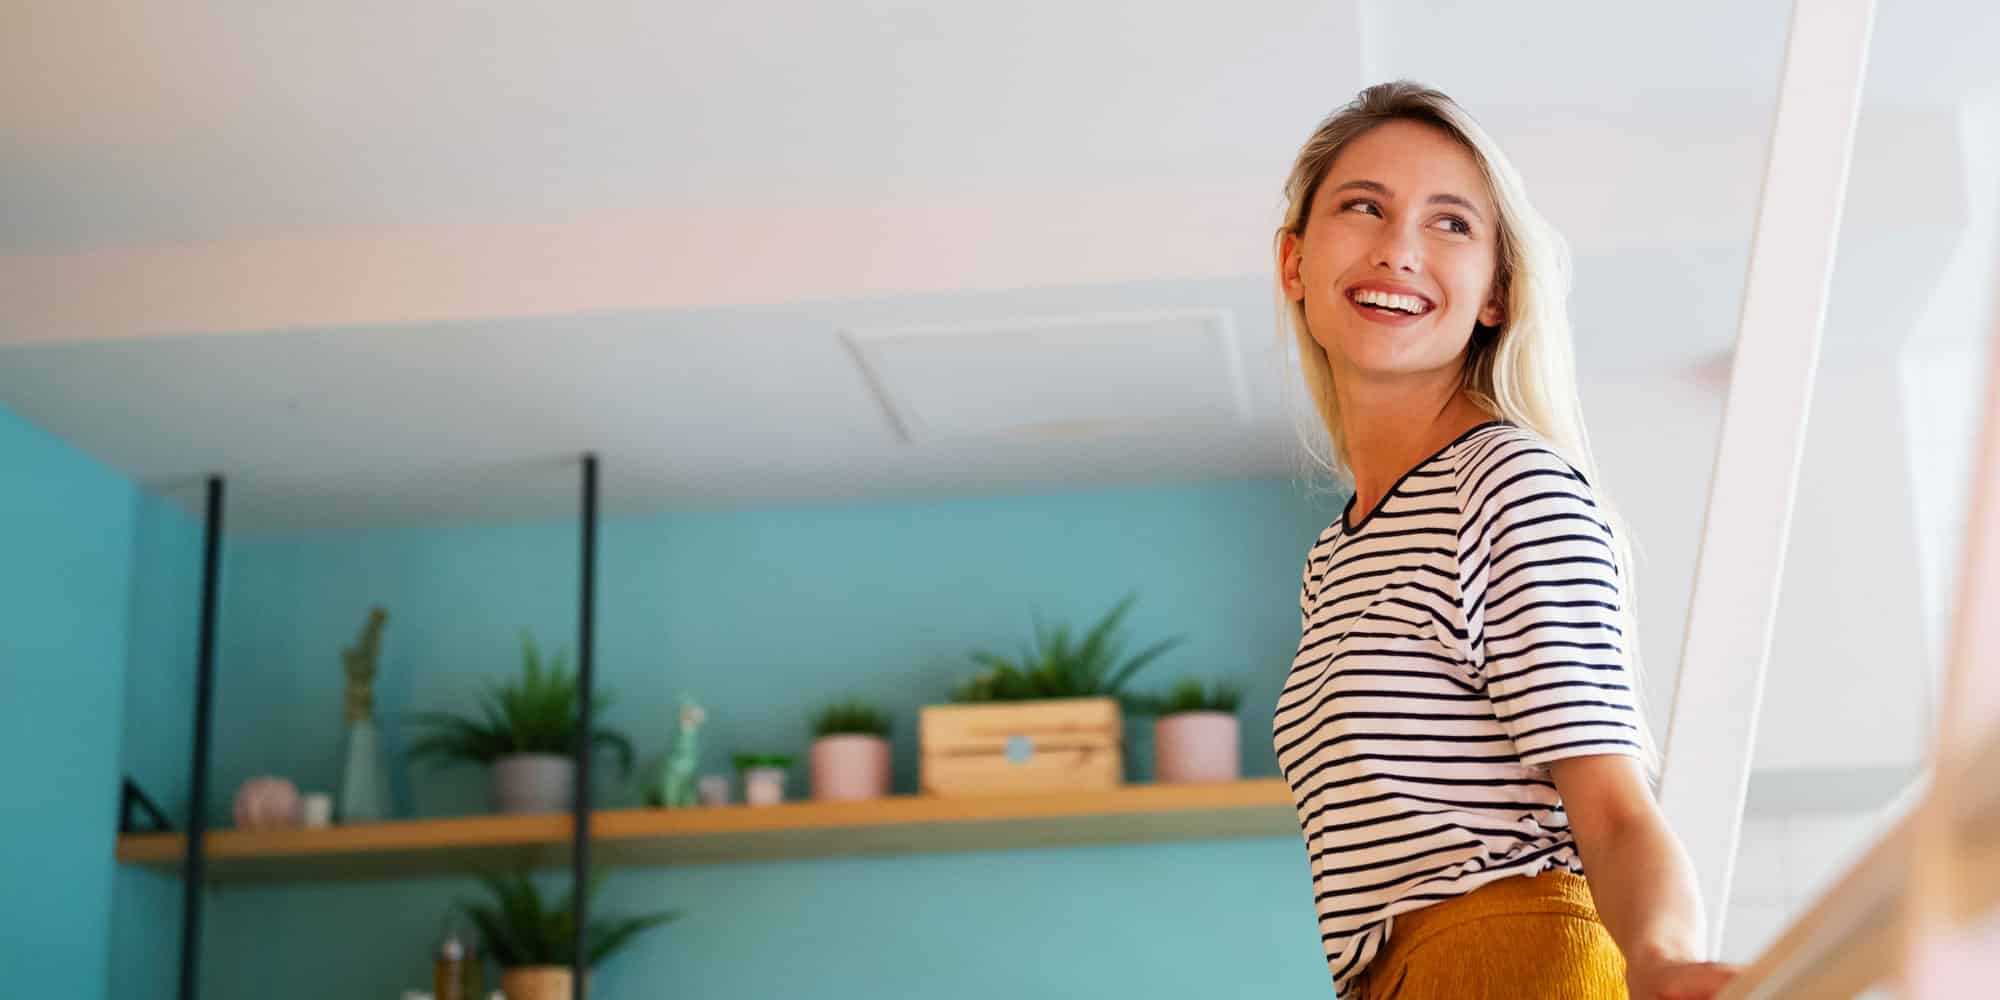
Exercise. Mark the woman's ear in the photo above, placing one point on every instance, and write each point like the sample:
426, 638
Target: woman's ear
1494, 313
1288, 266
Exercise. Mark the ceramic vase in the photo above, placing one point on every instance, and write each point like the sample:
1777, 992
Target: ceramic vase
362, 785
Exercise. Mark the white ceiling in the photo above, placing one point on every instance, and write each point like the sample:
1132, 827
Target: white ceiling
382, 261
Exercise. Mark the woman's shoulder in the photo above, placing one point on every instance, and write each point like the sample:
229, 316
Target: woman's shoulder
1508, 462
1504, 446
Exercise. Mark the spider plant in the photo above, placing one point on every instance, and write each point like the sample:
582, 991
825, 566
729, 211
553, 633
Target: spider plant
855, 715
521, 931
1189, 695
752, 761
536, 713
1058, 666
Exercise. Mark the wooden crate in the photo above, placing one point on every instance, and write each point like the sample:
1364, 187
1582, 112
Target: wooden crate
1021, 747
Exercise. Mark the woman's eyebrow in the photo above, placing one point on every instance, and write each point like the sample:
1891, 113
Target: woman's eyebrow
1383, 189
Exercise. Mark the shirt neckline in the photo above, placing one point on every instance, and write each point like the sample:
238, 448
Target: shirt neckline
1346, 529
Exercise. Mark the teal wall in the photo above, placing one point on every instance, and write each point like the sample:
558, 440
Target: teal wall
162, 645
763, 615
66, 529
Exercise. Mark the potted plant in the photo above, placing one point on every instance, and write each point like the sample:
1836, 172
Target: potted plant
763, 777
536, 944
850, 751
1195, 734
526, 735
1049, 721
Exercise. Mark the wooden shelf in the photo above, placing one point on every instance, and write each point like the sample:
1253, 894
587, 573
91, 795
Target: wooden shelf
1258, 807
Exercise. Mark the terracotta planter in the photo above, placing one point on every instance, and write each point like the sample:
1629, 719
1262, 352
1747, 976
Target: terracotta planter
850, 766
1196, 746
536, 982
534, 783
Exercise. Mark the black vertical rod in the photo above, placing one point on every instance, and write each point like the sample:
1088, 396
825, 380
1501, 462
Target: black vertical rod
586, 693
194, 864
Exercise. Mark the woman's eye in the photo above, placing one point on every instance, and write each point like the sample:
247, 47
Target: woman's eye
1361, 203
1458, 225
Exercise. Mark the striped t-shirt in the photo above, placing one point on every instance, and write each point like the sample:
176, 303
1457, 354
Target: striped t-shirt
1455, 640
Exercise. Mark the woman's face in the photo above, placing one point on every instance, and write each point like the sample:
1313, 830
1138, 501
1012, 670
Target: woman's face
1397, 259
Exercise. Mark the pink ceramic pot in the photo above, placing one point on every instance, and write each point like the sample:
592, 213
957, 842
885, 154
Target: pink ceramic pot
1196, 746
849, 766
266, 804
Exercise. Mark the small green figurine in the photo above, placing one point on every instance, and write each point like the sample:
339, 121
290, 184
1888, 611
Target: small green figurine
676, 787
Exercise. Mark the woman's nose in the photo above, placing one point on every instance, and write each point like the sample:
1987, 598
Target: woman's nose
1398, 250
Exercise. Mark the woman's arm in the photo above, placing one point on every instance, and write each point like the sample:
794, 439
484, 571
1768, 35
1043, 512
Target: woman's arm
1640, 878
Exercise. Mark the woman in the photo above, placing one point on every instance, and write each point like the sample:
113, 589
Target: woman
1461, 728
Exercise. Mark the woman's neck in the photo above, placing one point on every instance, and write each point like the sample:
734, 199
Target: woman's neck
1388, 434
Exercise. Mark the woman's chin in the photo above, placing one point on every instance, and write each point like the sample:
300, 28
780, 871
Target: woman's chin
1386, 362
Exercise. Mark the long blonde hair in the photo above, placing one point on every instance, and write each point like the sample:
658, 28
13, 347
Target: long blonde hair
1524, 370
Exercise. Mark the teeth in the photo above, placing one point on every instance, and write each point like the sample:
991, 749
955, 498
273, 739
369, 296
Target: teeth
1402, 303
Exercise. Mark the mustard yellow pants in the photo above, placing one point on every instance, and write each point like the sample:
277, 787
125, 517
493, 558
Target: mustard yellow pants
1521, 938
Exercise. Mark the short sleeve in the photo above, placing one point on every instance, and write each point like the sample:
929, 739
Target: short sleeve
1543, 596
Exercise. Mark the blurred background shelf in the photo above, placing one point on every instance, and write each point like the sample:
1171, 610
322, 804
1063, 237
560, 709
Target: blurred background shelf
1258, 807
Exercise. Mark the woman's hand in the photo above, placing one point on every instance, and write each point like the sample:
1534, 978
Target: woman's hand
1671, 980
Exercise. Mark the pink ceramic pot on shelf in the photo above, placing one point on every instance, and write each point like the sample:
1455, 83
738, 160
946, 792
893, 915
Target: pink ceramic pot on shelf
850, 766
1196, 746
266, 803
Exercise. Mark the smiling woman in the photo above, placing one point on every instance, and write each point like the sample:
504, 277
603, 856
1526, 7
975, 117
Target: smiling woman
1461, 727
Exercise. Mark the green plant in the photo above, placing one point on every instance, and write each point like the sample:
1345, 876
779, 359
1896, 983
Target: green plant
535, 714
746, 761
1057, 667
854, 715
1189, 695
520, 931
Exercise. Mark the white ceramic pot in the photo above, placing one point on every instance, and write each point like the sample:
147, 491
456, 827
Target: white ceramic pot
764, 786
534, 783
850, 766
1196, 746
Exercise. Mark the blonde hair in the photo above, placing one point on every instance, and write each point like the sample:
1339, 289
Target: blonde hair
1524, 371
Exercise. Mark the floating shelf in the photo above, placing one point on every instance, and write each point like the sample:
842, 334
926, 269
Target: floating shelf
1257, 807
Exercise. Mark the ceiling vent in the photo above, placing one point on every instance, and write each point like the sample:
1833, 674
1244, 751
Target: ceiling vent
1058, 377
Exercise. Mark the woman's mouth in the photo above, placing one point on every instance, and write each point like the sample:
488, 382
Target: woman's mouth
1388, 307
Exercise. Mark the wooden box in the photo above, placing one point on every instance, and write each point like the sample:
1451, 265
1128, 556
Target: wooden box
1021, 747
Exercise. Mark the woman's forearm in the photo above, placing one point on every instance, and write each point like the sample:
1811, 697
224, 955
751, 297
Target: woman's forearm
1644, 886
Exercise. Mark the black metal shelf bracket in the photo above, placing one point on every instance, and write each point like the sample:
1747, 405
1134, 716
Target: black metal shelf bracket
130, 795
586, 692
193, 870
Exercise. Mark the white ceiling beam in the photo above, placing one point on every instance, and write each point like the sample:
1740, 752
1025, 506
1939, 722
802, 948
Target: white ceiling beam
1713, 730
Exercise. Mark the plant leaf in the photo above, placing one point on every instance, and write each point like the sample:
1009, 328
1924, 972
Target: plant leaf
1144, 657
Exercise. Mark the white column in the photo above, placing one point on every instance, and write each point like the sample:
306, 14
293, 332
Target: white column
1713, 729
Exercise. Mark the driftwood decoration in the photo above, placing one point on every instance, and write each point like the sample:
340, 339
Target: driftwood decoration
359, 663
